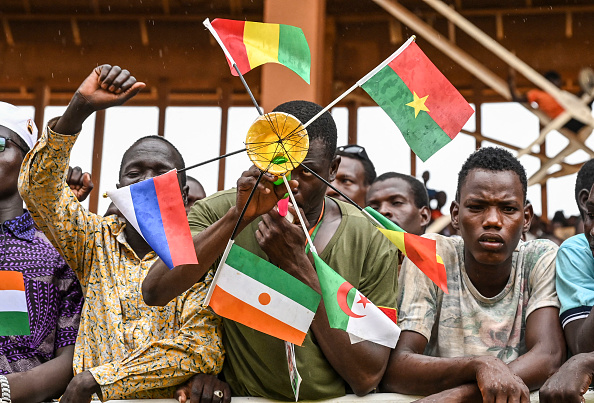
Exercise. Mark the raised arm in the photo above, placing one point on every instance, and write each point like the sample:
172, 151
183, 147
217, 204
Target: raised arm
511, 83
161, 285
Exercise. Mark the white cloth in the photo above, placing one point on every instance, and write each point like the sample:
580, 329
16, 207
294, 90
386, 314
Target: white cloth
19, 122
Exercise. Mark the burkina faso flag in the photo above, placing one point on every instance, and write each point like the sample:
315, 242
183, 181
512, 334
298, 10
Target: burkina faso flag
425, 106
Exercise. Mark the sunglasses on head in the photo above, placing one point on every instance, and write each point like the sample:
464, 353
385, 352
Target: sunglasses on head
3, 141
355, 150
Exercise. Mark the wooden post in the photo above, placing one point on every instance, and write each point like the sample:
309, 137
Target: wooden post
279, 84
352, 108
478, 99
225, 102
163, 103
543, 190
42, 95
413, 164
96, 160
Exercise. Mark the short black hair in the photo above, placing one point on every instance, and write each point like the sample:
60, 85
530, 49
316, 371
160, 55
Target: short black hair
323, 128
584, 180
552, 75
180, 164
418, 189
368, 167
492, 159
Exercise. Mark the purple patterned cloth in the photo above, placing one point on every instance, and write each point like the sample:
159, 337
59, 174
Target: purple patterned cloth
54, 296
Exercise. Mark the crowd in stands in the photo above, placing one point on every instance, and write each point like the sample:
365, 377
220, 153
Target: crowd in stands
108, 318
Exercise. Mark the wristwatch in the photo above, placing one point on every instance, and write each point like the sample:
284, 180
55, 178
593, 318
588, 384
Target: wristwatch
4, 390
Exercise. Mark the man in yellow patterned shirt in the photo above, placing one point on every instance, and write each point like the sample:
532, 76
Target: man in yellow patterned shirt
125, 349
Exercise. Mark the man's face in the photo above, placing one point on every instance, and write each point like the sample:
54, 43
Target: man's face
311, 190
491, 217
10, 164
394, 199
350, 179
195, 193
589, 219
146, 160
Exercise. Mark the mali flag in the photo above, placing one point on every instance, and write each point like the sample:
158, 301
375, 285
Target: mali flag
424, 105
257, 294
14, 314
352, 312
421, 251
252, 44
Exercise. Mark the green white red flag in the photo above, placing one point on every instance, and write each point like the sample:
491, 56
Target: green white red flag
352, 312
14, 313
257, 294
426, 107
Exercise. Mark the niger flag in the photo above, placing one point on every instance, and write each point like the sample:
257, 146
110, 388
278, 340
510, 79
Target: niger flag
426, 107
257, 294
421, 251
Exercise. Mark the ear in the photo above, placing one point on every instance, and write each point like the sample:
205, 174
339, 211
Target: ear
454, 213
528, 214
582, 198
334, 168
425, 213
184, 192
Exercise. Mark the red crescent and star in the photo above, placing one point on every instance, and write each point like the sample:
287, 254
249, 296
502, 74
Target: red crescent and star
341, 297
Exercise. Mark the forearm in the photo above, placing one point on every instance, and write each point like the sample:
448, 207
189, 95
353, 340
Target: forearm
581, 340
78, 110
417, 374
537, 365
44, 382
161, 285
361, 365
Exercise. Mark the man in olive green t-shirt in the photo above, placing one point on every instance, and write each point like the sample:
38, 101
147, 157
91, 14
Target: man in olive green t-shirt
255, 363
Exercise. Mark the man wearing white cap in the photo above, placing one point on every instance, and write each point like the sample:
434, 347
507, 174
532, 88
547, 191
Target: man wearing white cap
37, 366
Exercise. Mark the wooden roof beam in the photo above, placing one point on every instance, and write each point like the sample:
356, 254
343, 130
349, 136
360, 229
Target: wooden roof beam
75, 32
7, 32
27, 6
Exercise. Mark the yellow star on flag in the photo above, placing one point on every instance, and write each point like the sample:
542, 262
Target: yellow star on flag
418, 104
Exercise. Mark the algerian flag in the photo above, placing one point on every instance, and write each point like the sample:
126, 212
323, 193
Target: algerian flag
257, 294
351, 311
14, 314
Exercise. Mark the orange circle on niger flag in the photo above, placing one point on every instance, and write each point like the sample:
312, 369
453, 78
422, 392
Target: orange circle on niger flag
264, 298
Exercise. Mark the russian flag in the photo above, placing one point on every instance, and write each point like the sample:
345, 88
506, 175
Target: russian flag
155, 208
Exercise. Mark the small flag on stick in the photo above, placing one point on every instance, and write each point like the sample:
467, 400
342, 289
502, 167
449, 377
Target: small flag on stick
257, 294
421, 251
155, 208
14, 314
251, 44
352, 312
425, 106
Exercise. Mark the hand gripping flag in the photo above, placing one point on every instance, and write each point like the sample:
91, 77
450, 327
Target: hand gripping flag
421, 251
351, 311
14, 314
251, 44
425, 106
155, 208
257, 294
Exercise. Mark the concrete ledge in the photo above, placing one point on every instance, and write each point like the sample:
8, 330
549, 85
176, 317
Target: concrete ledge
375, 397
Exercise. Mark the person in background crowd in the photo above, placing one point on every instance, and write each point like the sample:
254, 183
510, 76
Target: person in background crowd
355, 174
195, 192
402, 199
